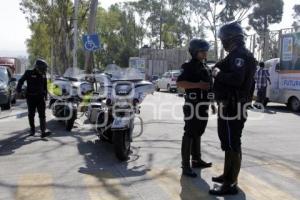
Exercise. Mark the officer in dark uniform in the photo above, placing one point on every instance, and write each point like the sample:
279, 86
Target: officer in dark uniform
195, 79
36, 94
234, 78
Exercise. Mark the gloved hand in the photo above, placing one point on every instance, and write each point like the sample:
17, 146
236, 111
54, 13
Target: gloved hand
215, 72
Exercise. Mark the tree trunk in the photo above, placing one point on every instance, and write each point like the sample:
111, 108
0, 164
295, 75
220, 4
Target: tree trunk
265, 39
216, 45
160, 24
88, 64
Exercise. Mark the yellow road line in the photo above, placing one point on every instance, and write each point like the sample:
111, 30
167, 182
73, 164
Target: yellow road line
178, 187
35, 187
104, 186
255, 188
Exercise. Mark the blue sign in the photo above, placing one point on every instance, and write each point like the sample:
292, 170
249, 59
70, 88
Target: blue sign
91, 42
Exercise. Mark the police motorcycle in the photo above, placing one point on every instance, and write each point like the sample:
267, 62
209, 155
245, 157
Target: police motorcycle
116, 107
66, 93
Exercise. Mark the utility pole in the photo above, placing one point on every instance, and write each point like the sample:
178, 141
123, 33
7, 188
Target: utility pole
75, 38
160, 23
91, 29
52, 47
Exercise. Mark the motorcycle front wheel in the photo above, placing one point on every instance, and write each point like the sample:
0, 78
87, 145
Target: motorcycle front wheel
71, 121
121, 141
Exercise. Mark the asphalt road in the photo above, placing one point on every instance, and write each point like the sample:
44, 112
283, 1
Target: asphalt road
77, 166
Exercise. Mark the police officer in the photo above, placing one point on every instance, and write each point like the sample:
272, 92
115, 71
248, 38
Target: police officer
233, 82
36, 94
195, 79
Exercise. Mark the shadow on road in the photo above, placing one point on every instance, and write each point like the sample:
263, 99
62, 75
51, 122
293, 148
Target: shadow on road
281, 108
19, 139
100, 160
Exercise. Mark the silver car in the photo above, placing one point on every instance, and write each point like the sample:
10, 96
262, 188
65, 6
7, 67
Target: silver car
7, 88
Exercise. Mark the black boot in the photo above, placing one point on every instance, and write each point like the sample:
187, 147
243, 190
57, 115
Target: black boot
45, 134
230, 177
43, 125
43, 128
32, 126
236, 158
187, 171
225, 189
32, 132
185, 155
197, 162
218, 179
227, 164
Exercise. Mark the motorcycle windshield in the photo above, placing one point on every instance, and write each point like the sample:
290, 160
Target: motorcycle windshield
71, 83
123, 74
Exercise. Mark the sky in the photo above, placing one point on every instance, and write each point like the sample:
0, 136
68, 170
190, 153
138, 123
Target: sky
15, 31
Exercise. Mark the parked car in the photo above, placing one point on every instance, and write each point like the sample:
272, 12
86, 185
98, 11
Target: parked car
7, 88
168, 81
154, 78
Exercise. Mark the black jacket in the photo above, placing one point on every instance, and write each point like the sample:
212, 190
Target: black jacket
195, 71
36, 83
236, 76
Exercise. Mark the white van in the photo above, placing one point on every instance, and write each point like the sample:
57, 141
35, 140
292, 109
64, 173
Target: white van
285, 85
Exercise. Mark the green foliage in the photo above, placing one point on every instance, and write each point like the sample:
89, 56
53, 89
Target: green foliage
167, 22
211, 14
266, 12
296, 15
39, 44
52, 23
124, 28
119, 35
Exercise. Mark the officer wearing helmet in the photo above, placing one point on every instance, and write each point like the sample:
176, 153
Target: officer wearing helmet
196, 80
36, 94
232, 87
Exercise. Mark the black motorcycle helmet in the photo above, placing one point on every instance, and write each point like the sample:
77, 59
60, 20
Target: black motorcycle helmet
197, 45
231, 33
41, 65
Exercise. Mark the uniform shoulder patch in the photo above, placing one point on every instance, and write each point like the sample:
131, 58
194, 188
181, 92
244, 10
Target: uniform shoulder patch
239, 62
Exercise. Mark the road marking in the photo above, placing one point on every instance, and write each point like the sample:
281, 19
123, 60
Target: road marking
254, 187
178, 187
35, 187
104, 186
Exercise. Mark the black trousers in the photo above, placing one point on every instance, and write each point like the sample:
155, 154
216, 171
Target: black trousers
195, 118
231, 121
36, 103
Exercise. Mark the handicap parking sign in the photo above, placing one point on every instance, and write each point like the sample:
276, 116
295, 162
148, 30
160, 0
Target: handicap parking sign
91, 42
